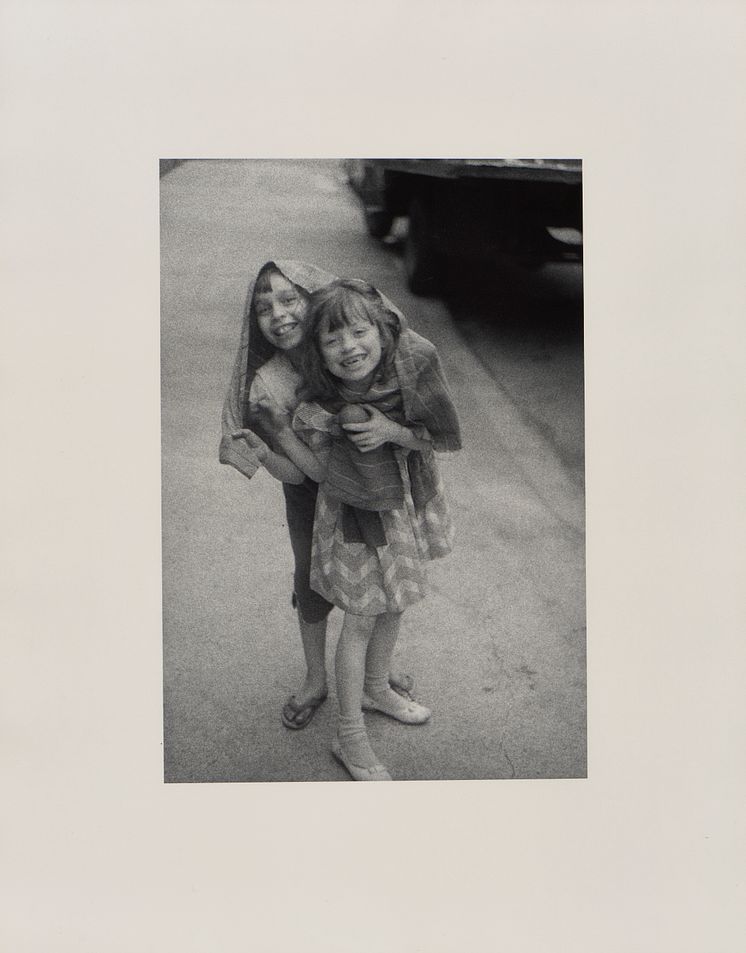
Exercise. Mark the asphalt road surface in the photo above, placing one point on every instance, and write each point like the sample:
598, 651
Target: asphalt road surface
498, 647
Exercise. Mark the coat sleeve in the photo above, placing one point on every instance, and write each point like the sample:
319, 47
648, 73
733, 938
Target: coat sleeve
428, 398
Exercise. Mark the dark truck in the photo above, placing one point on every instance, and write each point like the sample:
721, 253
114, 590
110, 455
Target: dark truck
530, 209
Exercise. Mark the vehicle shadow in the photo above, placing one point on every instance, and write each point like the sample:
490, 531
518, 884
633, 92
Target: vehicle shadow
512, 300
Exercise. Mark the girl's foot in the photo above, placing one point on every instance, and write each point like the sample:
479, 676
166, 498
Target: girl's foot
402, 684
299, 709
388, 702
360, 760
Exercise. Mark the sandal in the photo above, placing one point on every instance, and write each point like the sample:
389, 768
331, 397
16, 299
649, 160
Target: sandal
297, 716
358, 773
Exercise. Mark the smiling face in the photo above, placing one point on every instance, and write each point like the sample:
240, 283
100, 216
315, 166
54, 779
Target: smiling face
352, 351
281, 313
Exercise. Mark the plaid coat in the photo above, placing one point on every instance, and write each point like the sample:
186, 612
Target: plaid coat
427, 399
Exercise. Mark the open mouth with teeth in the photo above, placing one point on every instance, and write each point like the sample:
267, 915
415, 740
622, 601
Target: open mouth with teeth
284, 329
354, 361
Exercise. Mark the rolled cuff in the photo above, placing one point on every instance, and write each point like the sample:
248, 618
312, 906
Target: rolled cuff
235, 452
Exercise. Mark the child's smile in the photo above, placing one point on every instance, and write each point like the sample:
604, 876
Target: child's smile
281, 314
352, 352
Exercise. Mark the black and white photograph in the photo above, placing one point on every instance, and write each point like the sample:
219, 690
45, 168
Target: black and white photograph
371, 392
443, 299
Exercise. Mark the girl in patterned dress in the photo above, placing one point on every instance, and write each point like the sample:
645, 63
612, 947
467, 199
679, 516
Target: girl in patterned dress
376, 407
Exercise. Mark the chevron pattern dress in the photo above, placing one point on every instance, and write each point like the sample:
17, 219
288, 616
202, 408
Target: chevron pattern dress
369, 581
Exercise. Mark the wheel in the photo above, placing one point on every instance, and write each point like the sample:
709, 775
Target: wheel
378, 222
421, 260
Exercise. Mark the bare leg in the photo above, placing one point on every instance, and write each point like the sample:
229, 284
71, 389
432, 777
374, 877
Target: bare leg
313, 637
300, 708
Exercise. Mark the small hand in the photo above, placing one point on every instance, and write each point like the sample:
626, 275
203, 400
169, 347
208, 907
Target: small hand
374, 432
270, 418
256, 443
279, 419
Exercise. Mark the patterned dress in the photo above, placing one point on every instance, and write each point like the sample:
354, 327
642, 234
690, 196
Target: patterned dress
355, 576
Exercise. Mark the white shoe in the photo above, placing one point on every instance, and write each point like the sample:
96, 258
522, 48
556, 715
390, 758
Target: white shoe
408, 712
357, 772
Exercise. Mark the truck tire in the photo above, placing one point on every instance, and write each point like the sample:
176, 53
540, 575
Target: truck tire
421, 261
378, 222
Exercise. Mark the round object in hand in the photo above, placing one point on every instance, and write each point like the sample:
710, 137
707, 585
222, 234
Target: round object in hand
352, 414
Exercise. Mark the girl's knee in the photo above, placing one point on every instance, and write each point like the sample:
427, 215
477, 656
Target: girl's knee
358, 626
312, 608
388, 621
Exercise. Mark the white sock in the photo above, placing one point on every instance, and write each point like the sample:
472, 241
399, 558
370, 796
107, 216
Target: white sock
353, 740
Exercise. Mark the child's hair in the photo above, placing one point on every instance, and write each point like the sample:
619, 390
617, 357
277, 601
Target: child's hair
343, 303
263, 283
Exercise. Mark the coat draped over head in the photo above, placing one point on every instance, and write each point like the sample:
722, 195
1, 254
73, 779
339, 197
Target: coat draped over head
253, 352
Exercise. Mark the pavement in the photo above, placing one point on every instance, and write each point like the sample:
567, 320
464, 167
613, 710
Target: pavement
497, 649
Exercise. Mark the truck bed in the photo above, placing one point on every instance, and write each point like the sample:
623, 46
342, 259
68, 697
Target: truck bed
475, 208
546, 170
